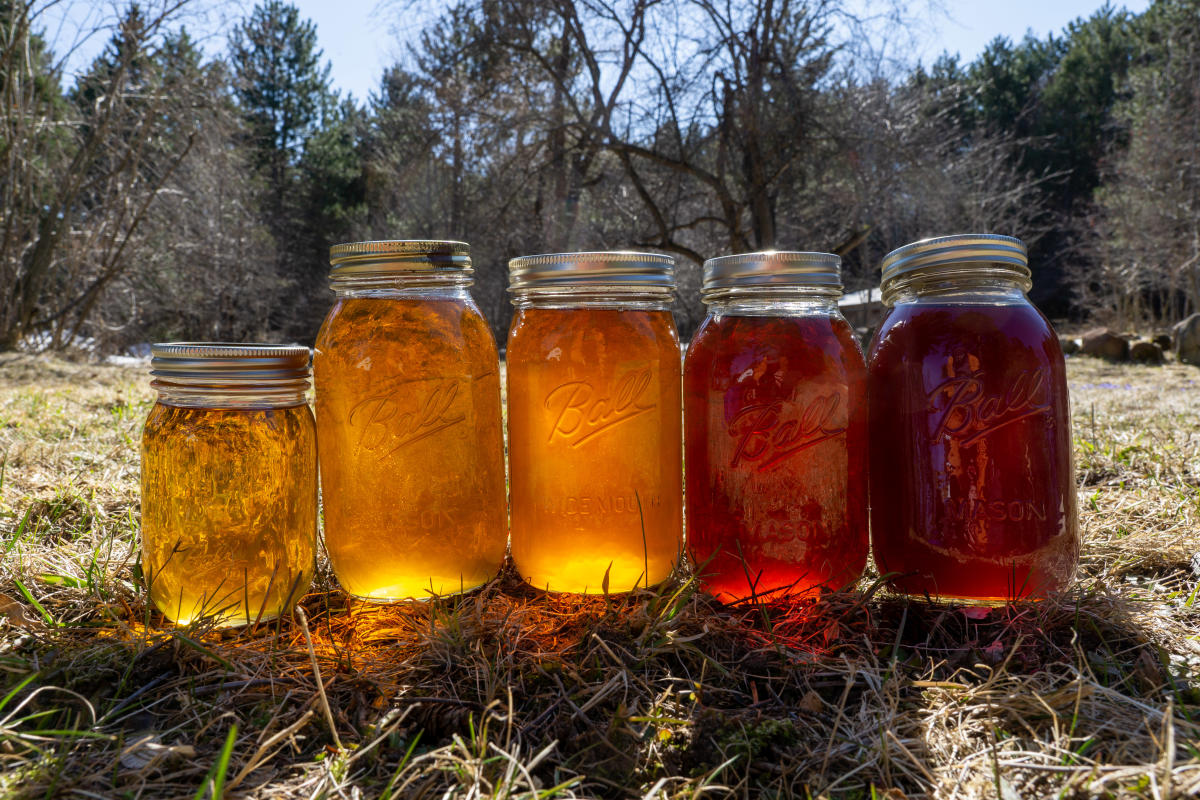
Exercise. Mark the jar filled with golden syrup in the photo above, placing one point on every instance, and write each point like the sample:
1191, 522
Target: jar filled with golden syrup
594, 421
775, 409
409, 421
229, 482
972, 484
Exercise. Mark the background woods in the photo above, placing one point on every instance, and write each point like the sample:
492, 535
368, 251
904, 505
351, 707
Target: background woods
188, 184
174, 194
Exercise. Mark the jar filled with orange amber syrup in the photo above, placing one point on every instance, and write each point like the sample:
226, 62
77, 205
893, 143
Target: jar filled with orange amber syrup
229, 482
594, 421
408, 412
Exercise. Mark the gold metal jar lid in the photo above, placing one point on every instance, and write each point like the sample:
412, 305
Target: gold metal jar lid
221, 367
786, 270
394, 256
619, 268
959, 255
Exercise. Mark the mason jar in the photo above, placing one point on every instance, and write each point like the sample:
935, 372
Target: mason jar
229, 482
409, 423
594, 421
972, 482
775, 409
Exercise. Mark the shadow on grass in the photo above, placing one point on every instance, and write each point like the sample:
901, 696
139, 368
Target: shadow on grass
661, 692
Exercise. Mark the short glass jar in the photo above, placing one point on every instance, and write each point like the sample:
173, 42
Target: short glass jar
229, 482
409, 421
775, 410
972, 481
594, 421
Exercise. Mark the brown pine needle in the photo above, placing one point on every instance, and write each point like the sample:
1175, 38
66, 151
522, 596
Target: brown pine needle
316, 668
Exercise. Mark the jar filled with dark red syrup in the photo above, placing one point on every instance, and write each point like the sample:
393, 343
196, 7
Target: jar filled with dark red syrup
972, 482
775, 410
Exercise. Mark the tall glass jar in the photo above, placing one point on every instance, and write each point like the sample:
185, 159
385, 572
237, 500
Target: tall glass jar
775, 409
594, 421
972, 484
229, 482
409, 423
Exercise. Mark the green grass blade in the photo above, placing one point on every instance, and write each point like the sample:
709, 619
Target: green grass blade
216, 775
13, 693
49, 620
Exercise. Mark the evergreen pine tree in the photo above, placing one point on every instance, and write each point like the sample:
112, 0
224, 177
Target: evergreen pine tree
282, 89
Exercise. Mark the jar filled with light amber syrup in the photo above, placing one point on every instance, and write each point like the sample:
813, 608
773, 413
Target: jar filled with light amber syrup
229, 482
408, 411
594, 421
775, 402
972, 484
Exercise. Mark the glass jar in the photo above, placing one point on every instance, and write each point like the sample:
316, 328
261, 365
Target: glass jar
409, 423
229, 482
775, 410
972, 482
594, 419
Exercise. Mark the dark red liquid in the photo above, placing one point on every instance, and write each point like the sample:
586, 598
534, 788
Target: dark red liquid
776, 423
972, 488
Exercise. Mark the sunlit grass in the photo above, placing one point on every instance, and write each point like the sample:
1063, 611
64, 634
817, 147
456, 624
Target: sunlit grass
506, 691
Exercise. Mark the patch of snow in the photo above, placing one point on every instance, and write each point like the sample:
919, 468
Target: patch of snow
127, 361
862, 298
137, 355
40, 342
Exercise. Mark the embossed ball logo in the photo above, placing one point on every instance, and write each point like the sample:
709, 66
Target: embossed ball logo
582, 411
962, 409
769, 433
394, 421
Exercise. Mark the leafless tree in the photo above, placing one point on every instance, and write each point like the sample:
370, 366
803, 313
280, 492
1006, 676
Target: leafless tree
900, 170
203, 264
1145, 236
76, 183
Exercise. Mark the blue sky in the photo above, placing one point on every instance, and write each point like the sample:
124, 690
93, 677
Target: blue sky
362, 37
966, 26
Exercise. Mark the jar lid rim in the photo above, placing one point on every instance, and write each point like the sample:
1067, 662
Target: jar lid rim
955, 249
616, 267
399, 255
176, 351
783, 269
220, 363
400, 247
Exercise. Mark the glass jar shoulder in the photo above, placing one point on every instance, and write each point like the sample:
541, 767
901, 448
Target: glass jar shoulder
582, 333
414, 332
172, 425
810, 345
933, 326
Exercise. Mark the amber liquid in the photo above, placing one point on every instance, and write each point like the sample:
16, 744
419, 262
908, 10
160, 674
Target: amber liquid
972, 487
776, 432
229, 511
594, 448
411, 446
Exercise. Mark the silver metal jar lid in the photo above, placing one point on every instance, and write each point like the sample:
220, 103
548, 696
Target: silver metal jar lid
617, 268
945, 255
772, 269
385, 257
230, 367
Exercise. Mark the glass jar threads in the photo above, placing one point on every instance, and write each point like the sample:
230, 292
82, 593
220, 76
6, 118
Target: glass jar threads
972, 485
594, 421
408, 412
775, 409
229, 482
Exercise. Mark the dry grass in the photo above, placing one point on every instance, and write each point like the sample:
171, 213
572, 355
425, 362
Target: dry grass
663, 694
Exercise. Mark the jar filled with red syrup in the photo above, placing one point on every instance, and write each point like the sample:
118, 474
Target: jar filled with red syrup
775, 411
972, 481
